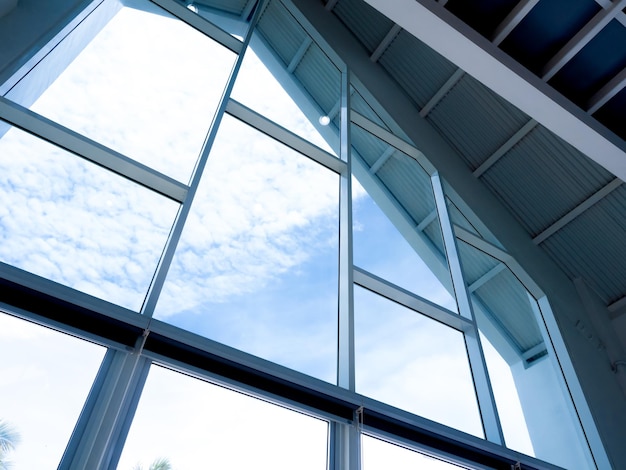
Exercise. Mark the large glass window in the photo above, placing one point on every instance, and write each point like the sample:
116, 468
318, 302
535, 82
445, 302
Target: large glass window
146, 86
193, 424
508, 317
396, 229
256, 267
71, 221
410, 361
45, 377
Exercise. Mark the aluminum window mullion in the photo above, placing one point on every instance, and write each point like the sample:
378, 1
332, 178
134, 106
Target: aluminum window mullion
410, 300
170, 247
204, 26
65, 138
478, 366
279, 133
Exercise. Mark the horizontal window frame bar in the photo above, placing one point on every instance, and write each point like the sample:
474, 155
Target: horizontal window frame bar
62, 137
84, 316
410, 300
201, 24
284, 136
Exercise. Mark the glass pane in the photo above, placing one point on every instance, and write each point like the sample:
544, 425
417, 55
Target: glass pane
70, 221
45, 377
381, 455
396, 233
359, 105
292, 82
194, 424
412, 362
537, 417
147, 86
256, 267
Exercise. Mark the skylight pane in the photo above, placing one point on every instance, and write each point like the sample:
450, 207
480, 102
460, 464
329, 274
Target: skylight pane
45, 377
147, 86
256, 267
194, 424
75, 223
412, 362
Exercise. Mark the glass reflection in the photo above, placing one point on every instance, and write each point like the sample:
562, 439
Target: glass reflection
140, 89
412, 362
297, 87
381, 455
70, 221
43, 387
537, 417
194, 424
256, 267
396, 232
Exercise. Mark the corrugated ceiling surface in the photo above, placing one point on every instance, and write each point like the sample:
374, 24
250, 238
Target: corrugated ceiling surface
366, 23
593, 246
369, 147
418, 69
502, 297
410, 184
320, 78
475, 120
542, 178
281, 31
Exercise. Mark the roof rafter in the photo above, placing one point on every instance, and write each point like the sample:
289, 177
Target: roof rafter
581, 39
384, 44
576, 211
504, 148
512, 20
445, 88
608, 91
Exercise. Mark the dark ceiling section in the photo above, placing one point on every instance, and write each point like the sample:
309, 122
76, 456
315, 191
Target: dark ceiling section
546, 29
483, 16
613, 114
594, 65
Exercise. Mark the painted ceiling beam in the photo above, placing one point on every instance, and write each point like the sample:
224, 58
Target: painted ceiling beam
384, 44
457, 42
608, 91
512, 20
582, 38
443, 91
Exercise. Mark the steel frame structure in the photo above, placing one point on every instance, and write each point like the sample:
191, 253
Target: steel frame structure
135, 341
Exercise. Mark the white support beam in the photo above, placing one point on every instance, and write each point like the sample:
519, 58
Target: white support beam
382, 160
426, 221
581, 39
384, 44
621, 17
512, 20
608, 91
504, 148
485, 278
576, 211
443, 91
483, 60
297, 57
537, 349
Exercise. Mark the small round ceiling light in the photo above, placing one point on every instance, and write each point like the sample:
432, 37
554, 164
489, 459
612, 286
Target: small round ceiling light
324, 120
